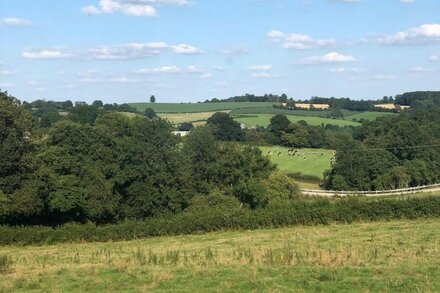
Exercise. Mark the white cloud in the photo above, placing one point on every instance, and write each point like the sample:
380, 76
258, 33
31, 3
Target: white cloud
348, 1
6, 73
426, 33
345, 70
6, 85
260, 67
117, 52
206, 76
195, 69
184, 49
122, 80
407, 1
262, 75
91, 10
332, 57
164, 69
45, 54
130, 7
12, 21
299, 41
420, 69
383, 77
234, 50
434, 57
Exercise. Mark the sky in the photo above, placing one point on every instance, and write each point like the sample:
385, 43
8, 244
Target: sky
191, 50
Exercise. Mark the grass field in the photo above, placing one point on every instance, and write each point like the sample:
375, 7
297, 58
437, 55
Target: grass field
370, 115
198, 107
398, 256
264, 120
313, 165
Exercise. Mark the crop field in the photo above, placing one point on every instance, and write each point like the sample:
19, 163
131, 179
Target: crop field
370, 115
196, 118
272, 110
313, 165
198, 107
264, 120
397, 256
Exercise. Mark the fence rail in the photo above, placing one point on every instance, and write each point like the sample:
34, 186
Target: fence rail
424, 188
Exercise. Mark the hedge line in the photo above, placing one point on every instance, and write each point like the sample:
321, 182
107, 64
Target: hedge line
217, 218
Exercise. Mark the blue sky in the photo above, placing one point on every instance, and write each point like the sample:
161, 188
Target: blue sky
191, 50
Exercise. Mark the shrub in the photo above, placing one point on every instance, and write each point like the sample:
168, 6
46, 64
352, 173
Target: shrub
251, 193
279, 187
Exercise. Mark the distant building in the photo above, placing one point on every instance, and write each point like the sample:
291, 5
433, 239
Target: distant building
80, 104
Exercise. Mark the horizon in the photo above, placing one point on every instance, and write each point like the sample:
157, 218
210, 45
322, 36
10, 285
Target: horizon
121, 51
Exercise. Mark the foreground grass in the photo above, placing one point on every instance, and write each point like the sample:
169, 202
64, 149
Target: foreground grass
264, 120
400, 256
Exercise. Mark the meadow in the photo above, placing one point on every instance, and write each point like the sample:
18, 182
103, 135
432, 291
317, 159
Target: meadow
370, 115
392, 256
264, 120
198, 107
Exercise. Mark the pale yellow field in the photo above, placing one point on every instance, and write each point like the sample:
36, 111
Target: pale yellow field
195, 118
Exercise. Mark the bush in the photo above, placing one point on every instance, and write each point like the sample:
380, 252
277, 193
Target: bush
221, 213
279, 187
252, 194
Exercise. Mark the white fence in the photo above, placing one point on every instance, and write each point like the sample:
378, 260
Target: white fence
425, 188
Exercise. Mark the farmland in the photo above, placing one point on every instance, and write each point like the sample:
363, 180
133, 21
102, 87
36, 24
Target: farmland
198, 107
264, 120
370, 115
313, 165
397, 256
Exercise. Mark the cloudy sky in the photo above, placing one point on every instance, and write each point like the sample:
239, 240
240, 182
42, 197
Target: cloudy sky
190, 50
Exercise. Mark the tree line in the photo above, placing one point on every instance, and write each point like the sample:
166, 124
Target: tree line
114, 167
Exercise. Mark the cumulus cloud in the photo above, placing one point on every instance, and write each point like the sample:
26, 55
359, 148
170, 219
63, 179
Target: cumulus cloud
163, 69
342, 70
184, 49
45, 54
12, 21
130, 7
6, 73
434, 57
237, 50
262, 75
298, 41
117, 52
332, 57
426, 33
260, 67
383, 77
172, 69
420, 69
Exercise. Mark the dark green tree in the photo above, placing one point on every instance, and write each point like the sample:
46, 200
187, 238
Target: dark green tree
225, 128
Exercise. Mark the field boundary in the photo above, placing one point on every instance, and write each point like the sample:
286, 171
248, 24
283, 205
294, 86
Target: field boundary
403, 191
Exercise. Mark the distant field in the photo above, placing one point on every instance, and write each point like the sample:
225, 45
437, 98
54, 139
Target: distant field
199, 107
264, 120
195, 118
281, 111
396, 256
370, 115
312, 165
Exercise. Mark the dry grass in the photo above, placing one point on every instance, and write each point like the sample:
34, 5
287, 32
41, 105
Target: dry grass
161, 262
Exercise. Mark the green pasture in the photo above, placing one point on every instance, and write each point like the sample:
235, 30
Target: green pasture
264, 120
313, 165
392, 256
369, 115
199, 107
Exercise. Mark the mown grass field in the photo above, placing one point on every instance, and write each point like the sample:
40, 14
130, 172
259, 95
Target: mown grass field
397, 256
264, 120
198, 107
313, 165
